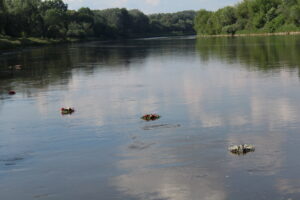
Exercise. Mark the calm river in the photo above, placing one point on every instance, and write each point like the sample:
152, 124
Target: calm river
211, 93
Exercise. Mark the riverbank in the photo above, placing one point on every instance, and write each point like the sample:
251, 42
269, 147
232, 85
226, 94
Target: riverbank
252, 34
8, 43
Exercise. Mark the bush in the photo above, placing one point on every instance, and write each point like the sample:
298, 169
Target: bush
75, 30
273, 25
288, 28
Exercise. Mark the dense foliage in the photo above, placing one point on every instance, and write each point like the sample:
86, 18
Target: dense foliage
251, 16
173, 22
52, 19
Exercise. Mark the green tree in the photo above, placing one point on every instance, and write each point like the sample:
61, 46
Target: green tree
23, 17
295, 14
139, 22
118, 21
202, 22
54, 13
251, 16
228, 16
76, 30
101, 28
2, 16
80, 23
180, 22
85, 15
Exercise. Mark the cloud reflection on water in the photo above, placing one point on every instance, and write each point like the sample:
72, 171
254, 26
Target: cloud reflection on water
218, 99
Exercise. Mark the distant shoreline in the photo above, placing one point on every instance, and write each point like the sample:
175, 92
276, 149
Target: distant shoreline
252, 34
9, 43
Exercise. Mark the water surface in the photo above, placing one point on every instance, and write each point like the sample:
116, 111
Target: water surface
211, 93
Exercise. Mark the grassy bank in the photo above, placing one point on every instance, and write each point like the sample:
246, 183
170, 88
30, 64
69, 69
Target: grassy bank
8, 43
251, 34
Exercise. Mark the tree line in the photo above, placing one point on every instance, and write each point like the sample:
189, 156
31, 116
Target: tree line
53, 19
250, 16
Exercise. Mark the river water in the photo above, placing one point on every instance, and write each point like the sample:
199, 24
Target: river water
211, 93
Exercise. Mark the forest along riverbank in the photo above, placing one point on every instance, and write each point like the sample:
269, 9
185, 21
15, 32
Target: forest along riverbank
250, 17
54, 21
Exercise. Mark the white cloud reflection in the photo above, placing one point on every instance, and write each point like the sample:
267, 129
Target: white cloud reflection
237, 105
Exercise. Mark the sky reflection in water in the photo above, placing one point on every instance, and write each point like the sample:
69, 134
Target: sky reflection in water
211, 93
